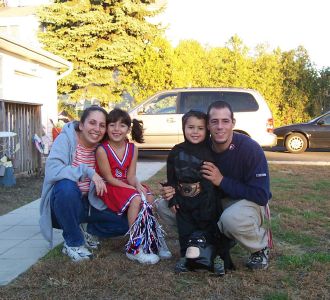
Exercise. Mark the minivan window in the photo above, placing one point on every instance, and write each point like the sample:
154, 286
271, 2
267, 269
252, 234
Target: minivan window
164, 104
239, 101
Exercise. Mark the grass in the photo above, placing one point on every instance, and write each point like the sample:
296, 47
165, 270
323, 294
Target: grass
299, 268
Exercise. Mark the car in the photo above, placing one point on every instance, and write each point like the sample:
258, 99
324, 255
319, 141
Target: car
298, 137
161, 114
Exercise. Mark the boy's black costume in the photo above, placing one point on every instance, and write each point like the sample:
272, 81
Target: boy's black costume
197, 202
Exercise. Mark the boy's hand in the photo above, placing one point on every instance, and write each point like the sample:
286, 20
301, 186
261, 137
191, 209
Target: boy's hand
167, 192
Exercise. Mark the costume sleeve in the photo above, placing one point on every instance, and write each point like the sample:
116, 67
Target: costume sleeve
255, 185
58, 165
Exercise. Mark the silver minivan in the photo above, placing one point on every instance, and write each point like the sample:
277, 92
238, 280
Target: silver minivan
161, 114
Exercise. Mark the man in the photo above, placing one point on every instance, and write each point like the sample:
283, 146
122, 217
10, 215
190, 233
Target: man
241, 173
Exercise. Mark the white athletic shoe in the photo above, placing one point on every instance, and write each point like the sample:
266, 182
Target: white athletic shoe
144, 258
77, 253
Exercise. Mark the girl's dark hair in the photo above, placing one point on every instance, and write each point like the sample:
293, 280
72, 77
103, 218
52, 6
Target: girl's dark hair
118, 114
193, 113
87, 111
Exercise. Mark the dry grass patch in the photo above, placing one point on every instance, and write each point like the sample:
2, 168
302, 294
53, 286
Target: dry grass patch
299, 268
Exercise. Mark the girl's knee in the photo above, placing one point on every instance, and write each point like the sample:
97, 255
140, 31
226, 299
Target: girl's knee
136, 202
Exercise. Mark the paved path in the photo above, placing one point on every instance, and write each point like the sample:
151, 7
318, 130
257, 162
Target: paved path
21, 243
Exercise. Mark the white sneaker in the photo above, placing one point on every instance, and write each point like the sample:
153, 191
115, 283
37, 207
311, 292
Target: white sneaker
144, 258
77, 253
91, 241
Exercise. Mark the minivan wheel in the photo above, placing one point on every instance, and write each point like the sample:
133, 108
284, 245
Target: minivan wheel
296, 143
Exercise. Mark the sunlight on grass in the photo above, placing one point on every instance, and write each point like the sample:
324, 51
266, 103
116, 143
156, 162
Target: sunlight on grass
302, 261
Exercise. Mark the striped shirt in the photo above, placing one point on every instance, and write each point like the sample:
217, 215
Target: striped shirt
85, 156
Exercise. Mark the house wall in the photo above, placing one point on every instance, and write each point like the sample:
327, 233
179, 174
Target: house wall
29, 82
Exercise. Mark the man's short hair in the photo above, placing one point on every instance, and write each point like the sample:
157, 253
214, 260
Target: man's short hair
218, 105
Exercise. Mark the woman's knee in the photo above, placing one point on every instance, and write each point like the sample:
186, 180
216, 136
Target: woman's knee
66, 190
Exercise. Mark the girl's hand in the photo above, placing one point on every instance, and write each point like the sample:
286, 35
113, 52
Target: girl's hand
99, 184
141, 189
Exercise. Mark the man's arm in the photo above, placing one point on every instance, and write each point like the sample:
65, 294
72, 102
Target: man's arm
255, 186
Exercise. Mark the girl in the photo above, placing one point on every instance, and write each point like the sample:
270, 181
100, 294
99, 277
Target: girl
194, 201
116, 163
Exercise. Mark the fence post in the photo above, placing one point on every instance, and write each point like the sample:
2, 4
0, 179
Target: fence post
2, 116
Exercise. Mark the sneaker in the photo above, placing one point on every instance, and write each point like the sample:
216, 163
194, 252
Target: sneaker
77, 253
258, 260
164, 252
218, 266
91, 241
144, 258
180, 266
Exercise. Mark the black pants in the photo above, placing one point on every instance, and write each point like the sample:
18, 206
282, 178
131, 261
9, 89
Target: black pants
192, 217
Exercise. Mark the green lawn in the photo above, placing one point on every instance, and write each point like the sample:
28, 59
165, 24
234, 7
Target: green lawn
299, 268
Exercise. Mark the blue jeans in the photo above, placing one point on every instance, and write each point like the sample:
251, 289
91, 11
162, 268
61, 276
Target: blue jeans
70, 209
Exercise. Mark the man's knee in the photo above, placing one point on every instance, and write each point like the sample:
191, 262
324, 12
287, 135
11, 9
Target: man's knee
228, 223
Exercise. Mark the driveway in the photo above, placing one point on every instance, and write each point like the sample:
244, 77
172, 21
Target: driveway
273, 155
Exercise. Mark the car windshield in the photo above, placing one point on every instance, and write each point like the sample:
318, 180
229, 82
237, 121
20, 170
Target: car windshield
311, 121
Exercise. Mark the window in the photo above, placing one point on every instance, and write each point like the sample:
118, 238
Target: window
240, 102
164, 104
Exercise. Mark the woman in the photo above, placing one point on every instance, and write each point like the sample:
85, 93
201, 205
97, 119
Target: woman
71, 186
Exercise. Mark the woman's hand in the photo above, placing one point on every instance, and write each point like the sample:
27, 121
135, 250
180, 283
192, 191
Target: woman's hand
99, 184
211, 173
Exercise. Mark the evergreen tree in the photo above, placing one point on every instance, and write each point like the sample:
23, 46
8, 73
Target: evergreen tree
102, 38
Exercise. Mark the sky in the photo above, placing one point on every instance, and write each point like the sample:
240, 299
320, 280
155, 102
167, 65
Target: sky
278, 23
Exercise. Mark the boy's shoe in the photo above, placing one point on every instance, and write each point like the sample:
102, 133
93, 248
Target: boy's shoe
144, 258
77, 253
91, 241
180, 266
218, 266
259, 260
164, 252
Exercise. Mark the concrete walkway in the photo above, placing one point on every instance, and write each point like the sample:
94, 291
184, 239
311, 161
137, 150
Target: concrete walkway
21, 243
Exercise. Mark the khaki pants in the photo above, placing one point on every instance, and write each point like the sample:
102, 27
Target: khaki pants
241, 220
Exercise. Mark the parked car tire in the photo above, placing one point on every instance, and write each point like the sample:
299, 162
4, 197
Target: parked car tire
296, 143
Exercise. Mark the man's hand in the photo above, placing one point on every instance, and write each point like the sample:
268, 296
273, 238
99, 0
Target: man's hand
211, 173
99, 184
